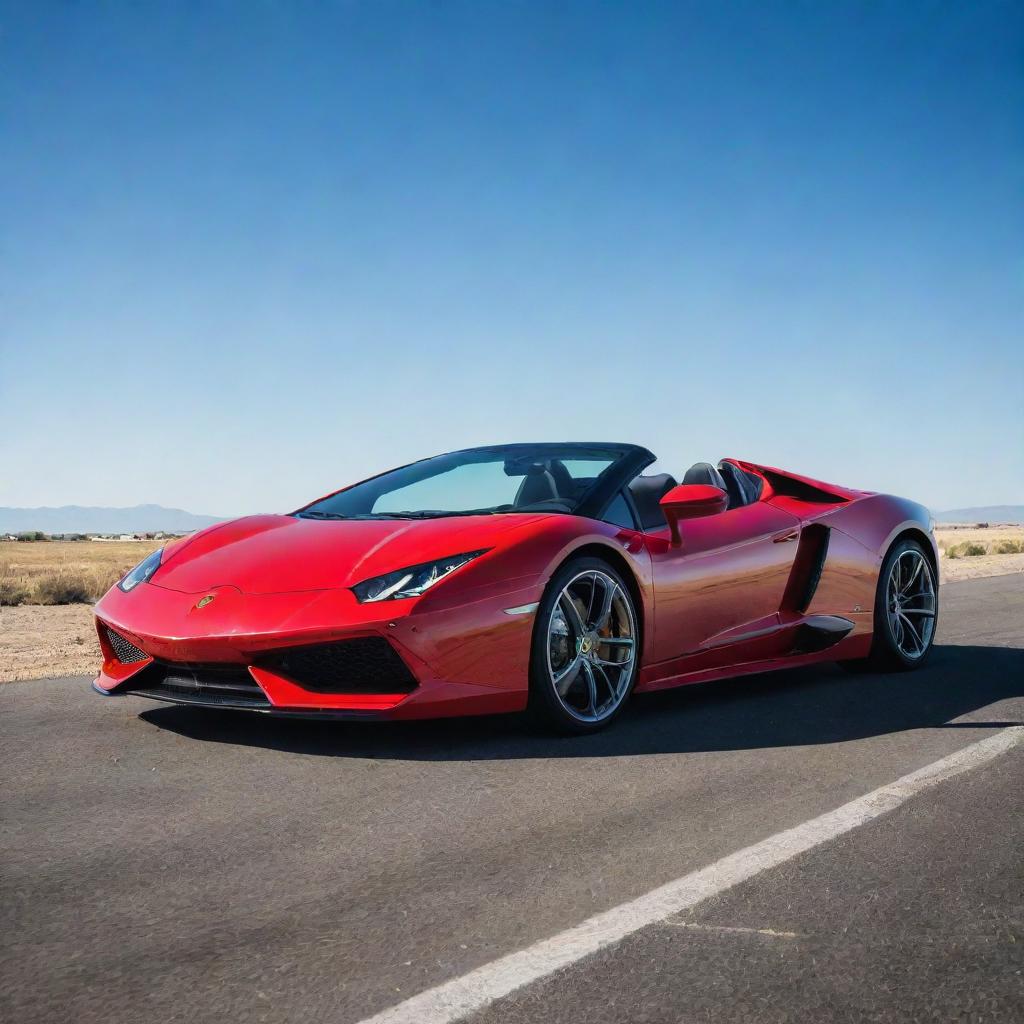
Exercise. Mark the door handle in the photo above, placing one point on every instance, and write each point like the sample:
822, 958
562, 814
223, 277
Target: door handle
780, 538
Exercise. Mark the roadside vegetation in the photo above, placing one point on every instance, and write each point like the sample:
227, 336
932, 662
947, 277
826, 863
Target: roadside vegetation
982, 539
65, 571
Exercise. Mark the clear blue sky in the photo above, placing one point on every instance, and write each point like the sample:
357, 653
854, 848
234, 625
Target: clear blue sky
253, 251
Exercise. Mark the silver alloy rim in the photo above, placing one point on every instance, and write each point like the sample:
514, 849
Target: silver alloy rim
910, 603
591, 645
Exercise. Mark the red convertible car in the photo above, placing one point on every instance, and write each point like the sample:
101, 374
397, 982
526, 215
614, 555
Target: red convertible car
557, 577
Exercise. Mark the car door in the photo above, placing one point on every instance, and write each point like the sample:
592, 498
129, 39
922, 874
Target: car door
724, 583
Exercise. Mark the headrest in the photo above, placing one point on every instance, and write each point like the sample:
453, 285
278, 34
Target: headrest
704, 473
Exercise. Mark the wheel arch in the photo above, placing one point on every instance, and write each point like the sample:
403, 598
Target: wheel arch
923, 538
620, 563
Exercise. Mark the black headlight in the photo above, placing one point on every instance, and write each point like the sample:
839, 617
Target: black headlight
411, 581
142, 572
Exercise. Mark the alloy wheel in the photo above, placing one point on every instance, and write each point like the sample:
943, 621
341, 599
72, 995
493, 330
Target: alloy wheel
910, 603
591, 645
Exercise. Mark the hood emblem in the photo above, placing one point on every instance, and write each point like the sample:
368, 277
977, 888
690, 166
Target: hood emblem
204, 601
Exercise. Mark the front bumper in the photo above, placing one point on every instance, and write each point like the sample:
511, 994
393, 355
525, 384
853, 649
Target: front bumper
459, 658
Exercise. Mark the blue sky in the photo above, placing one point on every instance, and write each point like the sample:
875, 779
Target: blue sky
253, 251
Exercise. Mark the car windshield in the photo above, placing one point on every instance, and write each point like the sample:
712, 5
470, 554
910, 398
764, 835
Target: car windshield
478, 481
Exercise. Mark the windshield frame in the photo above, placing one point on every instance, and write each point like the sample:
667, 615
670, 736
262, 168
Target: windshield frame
627, 460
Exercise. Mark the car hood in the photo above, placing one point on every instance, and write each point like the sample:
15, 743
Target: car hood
279, 554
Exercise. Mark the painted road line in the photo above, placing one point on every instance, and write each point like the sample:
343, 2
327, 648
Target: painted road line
728, 930
453, 1000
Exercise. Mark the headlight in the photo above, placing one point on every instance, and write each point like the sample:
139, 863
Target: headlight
412, 581
142, 572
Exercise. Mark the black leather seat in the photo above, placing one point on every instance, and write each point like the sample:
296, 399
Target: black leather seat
647, 492
565, 486
742, 489
705, 473
538, 486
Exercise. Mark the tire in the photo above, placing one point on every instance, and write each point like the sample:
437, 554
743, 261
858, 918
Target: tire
903, 642
585, 592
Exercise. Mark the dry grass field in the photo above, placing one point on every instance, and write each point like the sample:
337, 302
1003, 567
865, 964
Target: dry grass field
65, 572
52, 585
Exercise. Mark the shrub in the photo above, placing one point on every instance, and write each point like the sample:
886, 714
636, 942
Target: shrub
65, 588
953, 551
1010, 547
12, 591
970, 549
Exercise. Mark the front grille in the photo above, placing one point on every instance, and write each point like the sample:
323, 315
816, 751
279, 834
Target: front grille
230, 685
363, 665
125, 652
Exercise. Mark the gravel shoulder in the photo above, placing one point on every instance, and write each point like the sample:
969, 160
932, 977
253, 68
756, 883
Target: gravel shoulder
47, 640
952, 570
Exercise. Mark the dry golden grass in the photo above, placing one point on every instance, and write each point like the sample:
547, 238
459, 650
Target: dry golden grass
65, 572
974, 541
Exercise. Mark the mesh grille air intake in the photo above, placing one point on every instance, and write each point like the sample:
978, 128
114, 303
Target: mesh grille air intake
126, 653
363, 665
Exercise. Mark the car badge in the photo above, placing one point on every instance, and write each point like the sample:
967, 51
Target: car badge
204, 601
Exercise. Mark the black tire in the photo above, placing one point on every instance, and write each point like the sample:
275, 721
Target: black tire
545, 705
887, 655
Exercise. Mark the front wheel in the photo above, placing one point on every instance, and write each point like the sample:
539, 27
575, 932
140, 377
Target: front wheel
585, 648
906, 609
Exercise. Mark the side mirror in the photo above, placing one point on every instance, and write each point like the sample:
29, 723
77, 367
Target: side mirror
692, 501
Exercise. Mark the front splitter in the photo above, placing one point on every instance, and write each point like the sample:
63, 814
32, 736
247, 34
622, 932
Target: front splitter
319, 714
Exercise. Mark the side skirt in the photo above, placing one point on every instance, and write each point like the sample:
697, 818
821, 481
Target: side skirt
791, 640
851, 648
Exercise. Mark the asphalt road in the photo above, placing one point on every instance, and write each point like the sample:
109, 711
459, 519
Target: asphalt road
161, 864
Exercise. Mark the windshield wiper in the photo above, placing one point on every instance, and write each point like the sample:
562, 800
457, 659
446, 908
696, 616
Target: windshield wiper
424, 514
418, 515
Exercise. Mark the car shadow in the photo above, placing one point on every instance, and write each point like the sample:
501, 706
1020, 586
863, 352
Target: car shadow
796, 707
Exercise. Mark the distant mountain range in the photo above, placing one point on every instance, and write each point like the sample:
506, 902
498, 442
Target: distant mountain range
983, 514
157, 518
92, 519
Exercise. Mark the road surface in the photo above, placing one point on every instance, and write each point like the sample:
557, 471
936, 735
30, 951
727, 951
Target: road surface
168, 864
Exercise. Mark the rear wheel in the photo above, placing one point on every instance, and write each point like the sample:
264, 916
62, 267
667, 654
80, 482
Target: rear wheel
906, 610
585, 648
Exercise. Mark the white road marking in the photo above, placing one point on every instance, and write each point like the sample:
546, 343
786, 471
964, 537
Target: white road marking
460, 997
732, 930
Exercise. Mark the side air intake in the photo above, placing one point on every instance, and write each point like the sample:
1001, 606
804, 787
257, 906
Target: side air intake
807, 568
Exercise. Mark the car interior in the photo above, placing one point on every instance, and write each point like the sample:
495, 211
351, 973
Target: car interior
549, 481
647, 491
548, 486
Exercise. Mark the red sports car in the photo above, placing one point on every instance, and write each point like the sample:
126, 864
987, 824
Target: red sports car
551, 576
